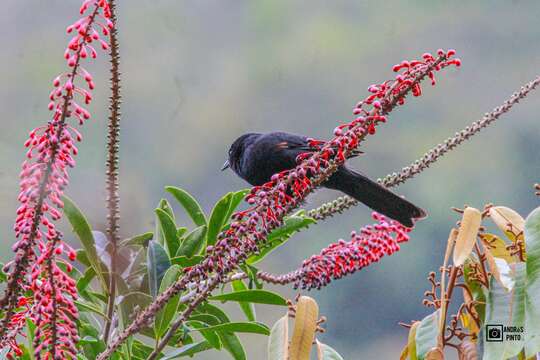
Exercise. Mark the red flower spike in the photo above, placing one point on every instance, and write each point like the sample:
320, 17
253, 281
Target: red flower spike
43, 180
367, 246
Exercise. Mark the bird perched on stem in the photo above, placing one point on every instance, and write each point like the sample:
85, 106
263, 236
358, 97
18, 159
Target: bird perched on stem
256, 157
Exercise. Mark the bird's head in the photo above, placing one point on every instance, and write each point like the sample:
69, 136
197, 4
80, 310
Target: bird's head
236, 152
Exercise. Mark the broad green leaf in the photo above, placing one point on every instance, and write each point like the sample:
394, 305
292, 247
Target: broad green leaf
253, 296
210, 335
218, 218
138, 240
476, 289
247, 308
82, 257
84, 281
89, 307
168, 229
184, 261
166, 206
166, 315
193, 243
181, 231
232, 344
237, 198
278, 343
506, 308
187, 350
82, 229
426, 334
211, 320
131, 303
214, 311
279, 236
532, 307
157, 264
325, 352
191, 205
140, 350
241, 327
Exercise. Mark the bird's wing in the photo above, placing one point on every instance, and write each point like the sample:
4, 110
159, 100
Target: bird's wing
310, 146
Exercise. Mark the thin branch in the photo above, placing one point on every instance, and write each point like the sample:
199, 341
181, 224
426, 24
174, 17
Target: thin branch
113, 198
345, 202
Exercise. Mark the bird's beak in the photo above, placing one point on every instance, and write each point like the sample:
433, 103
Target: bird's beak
226, 165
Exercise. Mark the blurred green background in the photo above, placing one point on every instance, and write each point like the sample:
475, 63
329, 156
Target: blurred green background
198, 73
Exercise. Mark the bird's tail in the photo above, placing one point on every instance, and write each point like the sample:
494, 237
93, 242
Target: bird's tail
376, 196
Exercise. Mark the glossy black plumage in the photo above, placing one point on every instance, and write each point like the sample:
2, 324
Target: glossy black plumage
256, 157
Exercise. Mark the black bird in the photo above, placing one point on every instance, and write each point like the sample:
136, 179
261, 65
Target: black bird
256, 157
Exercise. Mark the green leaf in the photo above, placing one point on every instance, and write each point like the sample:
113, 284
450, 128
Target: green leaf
426, 334
210, 335
193, 243
253, 296
157, 263
166, 315
476, 288
84, 281
532, 307
237, 198
141, 350
168, 229
138, 240
82, 257
214, 311
181, 231
89, 307
506, 308
247, 308
218, 218
232, 344
242, 327
131, 303
327, 353
82, 229
191, 205
278, 343
188, 350
184, 261
3, 275
279, 236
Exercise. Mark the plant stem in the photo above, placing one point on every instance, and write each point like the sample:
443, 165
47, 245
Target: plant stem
113, 198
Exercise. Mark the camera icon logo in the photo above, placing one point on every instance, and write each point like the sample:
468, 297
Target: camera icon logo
494, 333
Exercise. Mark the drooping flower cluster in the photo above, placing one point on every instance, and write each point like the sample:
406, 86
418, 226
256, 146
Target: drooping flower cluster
44, 177
367, 246
286, 190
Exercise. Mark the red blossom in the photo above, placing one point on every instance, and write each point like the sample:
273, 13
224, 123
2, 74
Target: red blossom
367, 246
44, 176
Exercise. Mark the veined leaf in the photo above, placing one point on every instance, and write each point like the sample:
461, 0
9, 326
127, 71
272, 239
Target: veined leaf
253, 296
188, 350
497, 247
130, 303
427, 334
305, 325
466, 238
168, 230
191, 205
82, 228
184, 261
241, 327
138, 240
532, 308
508, 309
247, 308
279, 236
210, 335
157, 264
278, 343
193, 243
166, 315
508, 220
218, 218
